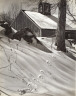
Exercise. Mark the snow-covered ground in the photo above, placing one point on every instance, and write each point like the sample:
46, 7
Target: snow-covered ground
27, 69
50, 44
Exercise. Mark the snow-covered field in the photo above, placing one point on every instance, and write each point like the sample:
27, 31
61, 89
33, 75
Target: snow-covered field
27, 69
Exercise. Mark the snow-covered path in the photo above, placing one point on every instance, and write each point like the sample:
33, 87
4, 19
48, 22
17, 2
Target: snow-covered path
24, 67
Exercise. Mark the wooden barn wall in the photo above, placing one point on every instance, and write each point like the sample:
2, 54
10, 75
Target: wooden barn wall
48, 32
19, 22
70, 34
23, 21
31, 24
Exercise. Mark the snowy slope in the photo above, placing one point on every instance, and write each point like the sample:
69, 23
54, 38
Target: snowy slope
24, 67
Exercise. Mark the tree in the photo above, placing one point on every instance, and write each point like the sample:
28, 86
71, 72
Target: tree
12, 12
6, 18
60, 36
14, 9
71, 7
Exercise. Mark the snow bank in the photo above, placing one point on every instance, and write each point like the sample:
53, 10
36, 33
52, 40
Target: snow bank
2, 30
23, 67
15, 31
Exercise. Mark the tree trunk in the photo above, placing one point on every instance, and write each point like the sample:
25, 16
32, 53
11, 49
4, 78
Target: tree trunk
60, 36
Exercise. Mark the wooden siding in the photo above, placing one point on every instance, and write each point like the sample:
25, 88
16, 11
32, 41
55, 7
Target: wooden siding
30, 24
23, 21
19, 22
48, 32
70, 34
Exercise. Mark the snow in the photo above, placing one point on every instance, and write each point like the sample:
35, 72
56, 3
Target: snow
74, 45
15, 31
1, 29
50, 44
46, 22
41, 20
70, 25
27, 69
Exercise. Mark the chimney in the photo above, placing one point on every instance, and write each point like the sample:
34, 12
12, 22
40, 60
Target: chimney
44, 8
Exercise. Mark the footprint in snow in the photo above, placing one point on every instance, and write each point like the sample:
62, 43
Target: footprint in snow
40, 76
47, 61
41, 71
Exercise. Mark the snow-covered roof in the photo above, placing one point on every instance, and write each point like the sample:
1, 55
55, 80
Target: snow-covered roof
69, 24
51, 1
41, 20
45, 22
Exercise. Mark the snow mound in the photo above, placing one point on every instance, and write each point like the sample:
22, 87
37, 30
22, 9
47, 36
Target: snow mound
23, 66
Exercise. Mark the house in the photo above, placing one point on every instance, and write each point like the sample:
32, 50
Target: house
42, 23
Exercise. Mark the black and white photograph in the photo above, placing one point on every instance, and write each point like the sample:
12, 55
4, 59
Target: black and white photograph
37, 47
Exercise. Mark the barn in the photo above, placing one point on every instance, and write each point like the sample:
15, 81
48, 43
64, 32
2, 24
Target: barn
41, 25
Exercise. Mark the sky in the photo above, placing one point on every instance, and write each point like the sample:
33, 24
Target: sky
4, 4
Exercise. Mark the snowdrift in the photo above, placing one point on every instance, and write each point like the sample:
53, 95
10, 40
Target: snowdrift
26, 69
